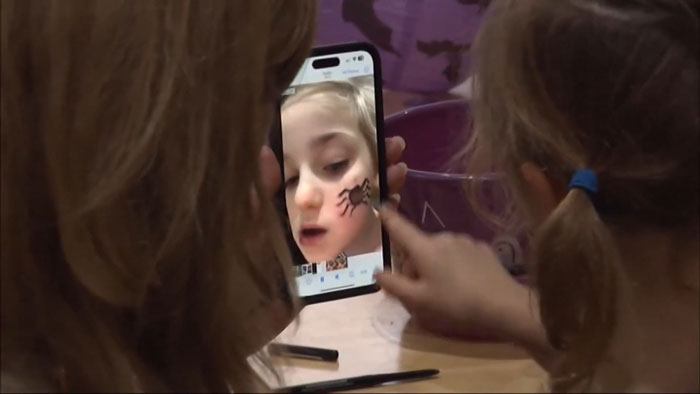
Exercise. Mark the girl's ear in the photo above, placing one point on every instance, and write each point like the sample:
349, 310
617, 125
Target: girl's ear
542, 194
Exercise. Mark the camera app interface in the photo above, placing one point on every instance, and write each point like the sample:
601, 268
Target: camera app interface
331, 181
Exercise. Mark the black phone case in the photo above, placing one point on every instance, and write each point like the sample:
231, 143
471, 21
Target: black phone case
276, 145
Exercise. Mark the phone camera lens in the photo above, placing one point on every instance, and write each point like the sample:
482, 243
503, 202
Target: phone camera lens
361, 58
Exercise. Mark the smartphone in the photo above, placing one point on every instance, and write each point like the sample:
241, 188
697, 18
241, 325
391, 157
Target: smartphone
329, 141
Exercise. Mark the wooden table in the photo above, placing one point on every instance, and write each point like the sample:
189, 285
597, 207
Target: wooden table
374, 334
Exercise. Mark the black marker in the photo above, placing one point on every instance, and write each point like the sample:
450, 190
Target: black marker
314, 353
359, 382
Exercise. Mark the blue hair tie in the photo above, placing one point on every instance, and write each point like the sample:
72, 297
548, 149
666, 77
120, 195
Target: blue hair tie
585, 180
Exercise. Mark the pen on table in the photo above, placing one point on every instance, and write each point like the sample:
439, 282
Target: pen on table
359, 382
314, 353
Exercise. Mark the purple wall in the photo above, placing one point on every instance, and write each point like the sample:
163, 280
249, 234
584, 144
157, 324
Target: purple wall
424, 44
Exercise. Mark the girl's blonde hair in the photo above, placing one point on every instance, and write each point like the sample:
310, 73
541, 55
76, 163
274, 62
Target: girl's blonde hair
600, 84
356, 94
130, 139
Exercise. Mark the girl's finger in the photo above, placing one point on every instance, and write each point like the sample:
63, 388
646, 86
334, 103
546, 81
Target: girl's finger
405, 235
394, 149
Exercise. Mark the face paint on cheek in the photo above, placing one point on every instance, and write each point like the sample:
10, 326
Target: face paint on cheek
354, 197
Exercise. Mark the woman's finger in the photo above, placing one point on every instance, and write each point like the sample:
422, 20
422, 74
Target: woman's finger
401, 262
404, 289
394, 149
395, 200
405, 235
396, 177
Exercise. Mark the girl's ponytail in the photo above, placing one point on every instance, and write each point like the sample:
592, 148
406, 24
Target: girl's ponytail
576, 278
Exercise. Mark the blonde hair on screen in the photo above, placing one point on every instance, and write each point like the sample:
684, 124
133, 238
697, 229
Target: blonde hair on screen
357, 94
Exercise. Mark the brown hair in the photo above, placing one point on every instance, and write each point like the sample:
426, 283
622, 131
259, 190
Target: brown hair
600, 84
130, 132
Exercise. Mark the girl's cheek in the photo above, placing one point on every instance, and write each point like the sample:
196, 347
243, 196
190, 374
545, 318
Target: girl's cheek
349, 225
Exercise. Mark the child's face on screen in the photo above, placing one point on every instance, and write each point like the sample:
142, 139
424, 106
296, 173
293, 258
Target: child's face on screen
325, 156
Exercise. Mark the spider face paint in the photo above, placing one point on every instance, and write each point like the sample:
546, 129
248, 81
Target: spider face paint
354, 197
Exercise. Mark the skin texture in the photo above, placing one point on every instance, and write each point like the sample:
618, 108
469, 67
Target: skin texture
325, 157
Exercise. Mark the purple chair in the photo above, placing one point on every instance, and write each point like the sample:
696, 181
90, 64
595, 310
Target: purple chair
434, 197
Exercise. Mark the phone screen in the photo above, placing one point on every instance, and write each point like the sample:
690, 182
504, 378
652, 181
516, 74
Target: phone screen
332, 155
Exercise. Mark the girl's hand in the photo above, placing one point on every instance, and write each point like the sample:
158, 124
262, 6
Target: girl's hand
457, 286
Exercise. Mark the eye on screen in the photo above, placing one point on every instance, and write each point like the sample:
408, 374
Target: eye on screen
331, 173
